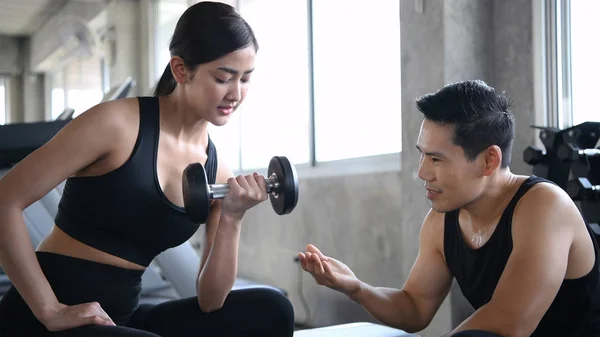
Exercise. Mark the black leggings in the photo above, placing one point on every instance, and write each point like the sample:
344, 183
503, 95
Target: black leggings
246, 312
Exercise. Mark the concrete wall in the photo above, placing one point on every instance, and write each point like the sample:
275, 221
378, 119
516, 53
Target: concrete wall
123, 19
371, 222
12, 68
10, 56
33, 85
25, 87
15, 100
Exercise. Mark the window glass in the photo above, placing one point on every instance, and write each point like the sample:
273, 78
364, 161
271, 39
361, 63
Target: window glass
274, 118
356, 78
585, 69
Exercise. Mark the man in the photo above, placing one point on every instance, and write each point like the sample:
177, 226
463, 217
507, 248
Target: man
517, 245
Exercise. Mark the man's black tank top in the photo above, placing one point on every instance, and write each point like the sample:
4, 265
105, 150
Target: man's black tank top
125, 212
575, 310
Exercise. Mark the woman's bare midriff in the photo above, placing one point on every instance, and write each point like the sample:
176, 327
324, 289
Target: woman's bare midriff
59, 242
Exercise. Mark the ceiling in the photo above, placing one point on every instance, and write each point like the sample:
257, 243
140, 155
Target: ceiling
24, 17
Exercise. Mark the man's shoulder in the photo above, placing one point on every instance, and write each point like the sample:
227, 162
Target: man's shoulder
543, 204
433, 228
541, 194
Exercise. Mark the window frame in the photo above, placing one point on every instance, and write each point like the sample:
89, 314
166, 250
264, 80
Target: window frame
558, 83
390, 162
4, 84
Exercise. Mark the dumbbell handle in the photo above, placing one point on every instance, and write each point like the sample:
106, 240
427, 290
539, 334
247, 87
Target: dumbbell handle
595, 188
589, 152
219, 191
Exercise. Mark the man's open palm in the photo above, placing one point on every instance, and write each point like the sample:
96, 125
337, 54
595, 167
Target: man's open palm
328, 271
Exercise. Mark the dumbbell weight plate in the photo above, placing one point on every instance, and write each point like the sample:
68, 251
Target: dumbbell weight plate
286, 198
195, 193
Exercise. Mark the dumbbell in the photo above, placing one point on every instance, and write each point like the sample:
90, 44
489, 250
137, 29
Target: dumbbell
282, 187
582, 189
532, 155
570, 152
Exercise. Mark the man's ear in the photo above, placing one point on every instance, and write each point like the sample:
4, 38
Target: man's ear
492, 159
178, 69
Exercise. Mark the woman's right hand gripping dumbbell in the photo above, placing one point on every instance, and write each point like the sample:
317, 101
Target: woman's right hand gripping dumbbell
244, 193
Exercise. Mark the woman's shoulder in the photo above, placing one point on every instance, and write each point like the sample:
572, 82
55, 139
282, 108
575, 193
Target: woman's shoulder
121, 114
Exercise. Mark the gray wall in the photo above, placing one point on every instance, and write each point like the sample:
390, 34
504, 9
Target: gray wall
371, 222
10, 56
33, 85
124, 20
25, 87
11, 68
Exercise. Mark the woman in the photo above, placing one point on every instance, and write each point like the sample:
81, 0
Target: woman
122, 204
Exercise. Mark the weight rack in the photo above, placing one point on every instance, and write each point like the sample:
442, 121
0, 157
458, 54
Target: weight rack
571, 159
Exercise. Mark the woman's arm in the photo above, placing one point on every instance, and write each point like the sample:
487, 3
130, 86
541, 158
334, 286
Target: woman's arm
77, 145
219, 260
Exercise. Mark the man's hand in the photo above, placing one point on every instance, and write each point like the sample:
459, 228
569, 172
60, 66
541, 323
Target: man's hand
328, 271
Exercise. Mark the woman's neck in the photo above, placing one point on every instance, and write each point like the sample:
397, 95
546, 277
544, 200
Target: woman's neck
180, 121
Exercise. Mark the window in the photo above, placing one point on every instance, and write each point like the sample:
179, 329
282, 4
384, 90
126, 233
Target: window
77, 86
57, 93
585, 69
84, 87
349, 113
315, 96
356, 78
167, 14
274, 118
572, 67
2, 102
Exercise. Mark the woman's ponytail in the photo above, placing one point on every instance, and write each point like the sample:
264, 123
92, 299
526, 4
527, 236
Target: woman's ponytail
166, 84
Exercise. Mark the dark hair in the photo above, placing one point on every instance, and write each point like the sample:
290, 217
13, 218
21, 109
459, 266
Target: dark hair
481, 117
205, 31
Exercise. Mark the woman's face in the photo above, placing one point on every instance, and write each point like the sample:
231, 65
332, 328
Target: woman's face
217, 88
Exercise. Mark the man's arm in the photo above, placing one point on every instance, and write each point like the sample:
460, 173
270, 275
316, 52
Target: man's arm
413, 307
542, 230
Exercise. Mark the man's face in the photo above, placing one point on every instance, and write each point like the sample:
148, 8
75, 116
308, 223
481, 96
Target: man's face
451, 181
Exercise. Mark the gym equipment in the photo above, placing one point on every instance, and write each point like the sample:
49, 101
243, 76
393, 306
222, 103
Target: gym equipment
562, 152
582, 189
572, 161
120, 91
171, 275
66, 115
20, 139
544, 162
282, 186
354, 330
533, 155
570, 152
